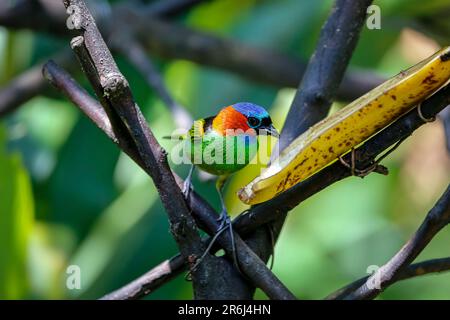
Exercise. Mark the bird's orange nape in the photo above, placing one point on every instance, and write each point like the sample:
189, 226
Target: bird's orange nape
230, 119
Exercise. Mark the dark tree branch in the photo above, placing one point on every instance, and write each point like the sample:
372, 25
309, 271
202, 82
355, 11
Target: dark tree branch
435, 221
326, 68
168, 269
414, 270
117, 100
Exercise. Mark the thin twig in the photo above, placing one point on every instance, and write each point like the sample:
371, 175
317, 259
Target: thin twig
414, 270
160, 275
435, 221
150, 281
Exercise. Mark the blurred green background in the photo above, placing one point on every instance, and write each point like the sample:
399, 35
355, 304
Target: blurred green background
69, 197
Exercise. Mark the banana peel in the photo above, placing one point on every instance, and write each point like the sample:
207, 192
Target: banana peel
334, 136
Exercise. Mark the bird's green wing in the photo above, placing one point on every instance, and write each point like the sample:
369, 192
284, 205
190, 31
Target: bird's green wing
176, 137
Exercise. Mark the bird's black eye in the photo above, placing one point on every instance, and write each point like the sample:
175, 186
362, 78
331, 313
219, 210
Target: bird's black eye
266, 122
253, 122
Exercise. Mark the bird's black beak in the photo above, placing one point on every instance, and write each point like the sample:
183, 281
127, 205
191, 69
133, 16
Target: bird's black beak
271, 131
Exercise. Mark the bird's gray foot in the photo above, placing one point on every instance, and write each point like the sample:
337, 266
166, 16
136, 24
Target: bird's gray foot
187, 184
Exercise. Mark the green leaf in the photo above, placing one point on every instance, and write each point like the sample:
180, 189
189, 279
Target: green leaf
16, 221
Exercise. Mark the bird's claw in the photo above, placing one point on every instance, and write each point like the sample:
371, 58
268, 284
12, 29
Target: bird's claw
224, 220
187, 188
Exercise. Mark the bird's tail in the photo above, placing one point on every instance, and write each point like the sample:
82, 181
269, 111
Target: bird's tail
176, 137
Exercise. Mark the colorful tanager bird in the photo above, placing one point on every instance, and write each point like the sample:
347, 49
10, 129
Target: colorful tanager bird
224, 144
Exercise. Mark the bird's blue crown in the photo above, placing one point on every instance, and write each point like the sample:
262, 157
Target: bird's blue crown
251, 110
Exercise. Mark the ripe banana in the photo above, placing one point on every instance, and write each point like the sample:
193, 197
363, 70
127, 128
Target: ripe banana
332, 137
